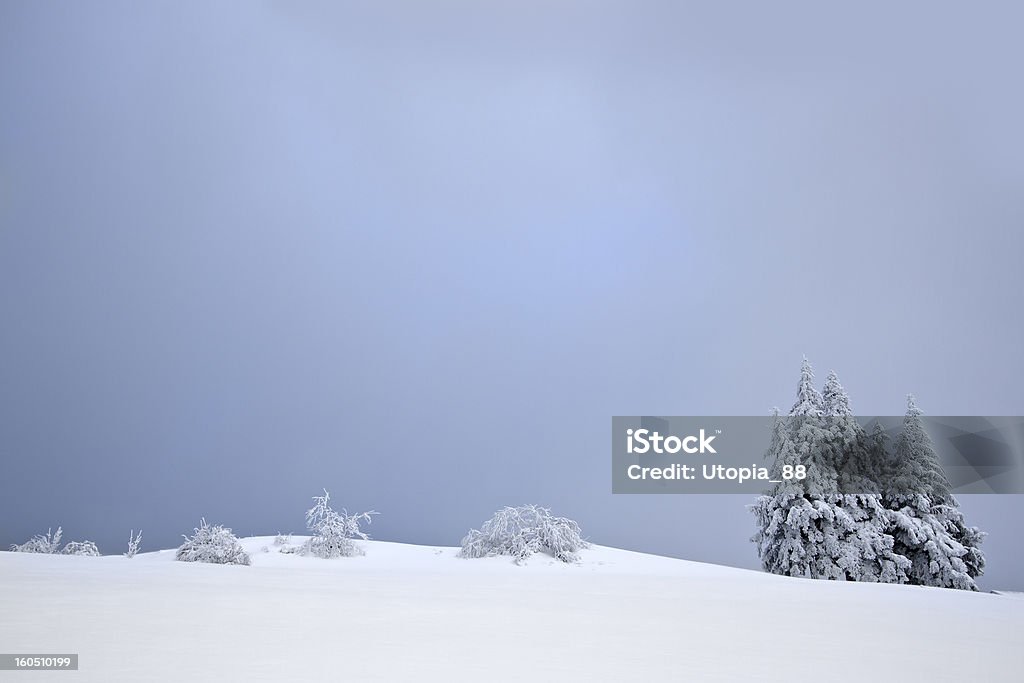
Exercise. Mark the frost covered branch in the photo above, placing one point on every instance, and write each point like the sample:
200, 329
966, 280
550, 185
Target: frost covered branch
133, 543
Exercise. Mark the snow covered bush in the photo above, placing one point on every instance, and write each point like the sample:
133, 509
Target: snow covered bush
215, 544
521, 532
86, 548
133, 543
282, 539
48, 544
334, 533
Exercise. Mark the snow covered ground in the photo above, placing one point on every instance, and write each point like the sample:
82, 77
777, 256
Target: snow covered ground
406, 612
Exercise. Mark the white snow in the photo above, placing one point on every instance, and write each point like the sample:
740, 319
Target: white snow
407, 612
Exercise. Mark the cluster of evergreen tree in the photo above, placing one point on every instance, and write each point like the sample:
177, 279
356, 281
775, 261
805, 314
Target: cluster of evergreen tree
866, 511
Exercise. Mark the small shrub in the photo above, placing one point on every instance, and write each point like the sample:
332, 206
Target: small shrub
334, 533
133, 543
282, 539
86, 548
215, 544
48, 544
523, 531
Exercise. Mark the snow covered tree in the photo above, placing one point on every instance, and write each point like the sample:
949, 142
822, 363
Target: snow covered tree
857, 456
522, 531
808, 400
48, 544
926, 520
808, 527
860, 514
811, 439
334, 533
868, 468
795, 523
845, 446
834, 399
214, 544
804, 532
787, 531
916, 469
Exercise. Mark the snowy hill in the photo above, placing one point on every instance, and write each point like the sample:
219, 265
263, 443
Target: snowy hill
406, 612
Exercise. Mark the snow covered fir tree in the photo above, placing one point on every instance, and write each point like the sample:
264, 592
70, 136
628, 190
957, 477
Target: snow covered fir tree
864, 512
926, 521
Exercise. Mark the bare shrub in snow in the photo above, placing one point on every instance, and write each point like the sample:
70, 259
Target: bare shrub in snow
215, 544
85, 548
334, 533
133, 543
48, 544
523, 531
282, 539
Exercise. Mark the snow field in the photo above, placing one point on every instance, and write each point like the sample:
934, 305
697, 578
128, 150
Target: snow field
406, 612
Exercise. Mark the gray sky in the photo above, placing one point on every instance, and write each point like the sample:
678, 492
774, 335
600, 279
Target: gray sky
419, 253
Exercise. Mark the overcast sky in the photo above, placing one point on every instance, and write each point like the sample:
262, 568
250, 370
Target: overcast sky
419, 253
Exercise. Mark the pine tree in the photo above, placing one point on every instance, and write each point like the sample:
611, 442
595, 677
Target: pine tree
927, 523
801, 528
835, 400
808, 400
784, 529
808, 433
875, 465
869, 548
844, 441
917, 469
809, 527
